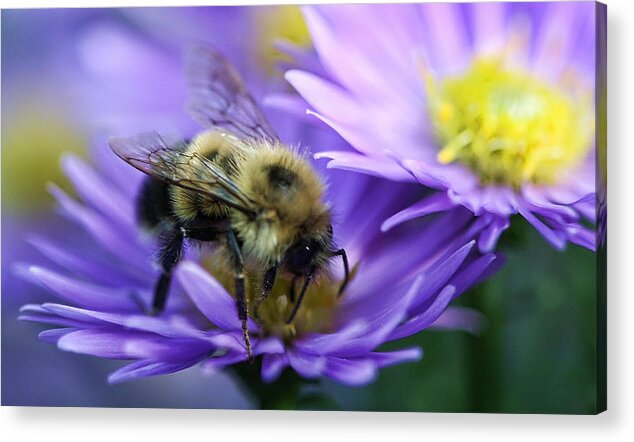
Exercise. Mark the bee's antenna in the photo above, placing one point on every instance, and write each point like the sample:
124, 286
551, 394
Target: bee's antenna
346, 269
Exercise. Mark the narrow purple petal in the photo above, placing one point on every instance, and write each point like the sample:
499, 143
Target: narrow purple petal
272, 366
327, 343
144, 368
308, 366
379, 167
385, 359
99, 272
214, 364
351, 371
461, 318
113, 239
437, 202
80, 293
124, 344
328, 98
445, 37
96, 192
471, 273
557, 239
210, 296
489, 236
437, 276
270, 345
488, 26
425, 319
53, 335
292, 104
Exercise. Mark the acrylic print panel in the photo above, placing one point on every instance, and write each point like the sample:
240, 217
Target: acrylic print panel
346, 207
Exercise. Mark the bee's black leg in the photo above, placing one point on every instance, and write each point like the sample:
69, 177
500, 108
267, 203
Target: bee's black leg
346, 269
307, 281
170, 254
238, 269
267, 286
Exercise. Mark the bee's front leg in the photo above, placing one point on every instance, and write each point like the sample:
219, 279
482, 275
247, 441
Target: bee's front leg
267, 286
238, 273
170, 254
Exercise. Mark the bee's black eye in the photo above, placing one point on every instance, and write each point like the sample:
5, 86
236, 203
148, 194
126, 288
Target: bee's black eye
299, 257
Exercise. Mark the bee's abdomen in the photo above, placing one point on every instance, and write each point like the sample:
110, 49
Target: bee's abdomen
153, 203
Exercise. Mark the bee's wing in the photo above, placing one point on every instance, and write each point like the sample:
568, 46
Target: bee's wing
219, 99
168, 161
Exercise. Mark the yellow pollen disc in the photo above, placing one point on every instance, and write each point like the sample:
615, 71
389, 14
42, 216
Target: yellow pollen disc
508, 126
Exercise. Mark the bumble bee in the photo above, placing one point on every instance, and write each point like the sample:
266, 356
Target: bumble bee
235, 185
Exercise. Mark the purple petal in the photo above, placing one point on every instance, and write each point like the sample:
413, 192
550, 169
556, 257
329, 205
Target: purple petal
269, 345
99, 272
210, 296
94, 191
115, 240
327, 98
461, 318
445, 37
361, 163
351, 371
80, 293
214, 364
327, 343
437, 276
489, 236
385, 359
53, 335
557, 239
428, 317
308, 366
471, 273
437, 202
122, 344
488, 26
142, 369
272, 366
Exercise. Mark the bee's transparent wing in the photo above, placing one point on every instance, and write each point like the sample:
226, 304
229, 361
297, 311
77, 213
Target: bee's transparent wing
167, 160
218, 97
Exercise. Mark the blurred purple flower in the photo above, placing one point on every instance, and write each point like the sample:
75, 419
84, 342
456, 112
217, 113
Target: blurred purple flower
490, 104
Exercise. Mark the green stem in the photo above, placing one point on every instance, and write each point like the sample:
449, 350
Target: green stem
485, 357
285, 393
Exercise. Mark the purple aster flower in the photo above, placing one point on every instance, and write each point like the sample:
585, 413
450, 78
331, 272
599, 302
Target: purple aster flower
402, 283
488, 104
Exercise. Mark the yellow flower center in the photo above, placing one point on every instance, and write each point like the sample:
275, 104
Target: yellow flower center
508, 126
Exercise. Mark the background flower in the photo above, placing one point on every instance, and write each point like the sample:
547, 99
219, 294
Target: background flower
489, 104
